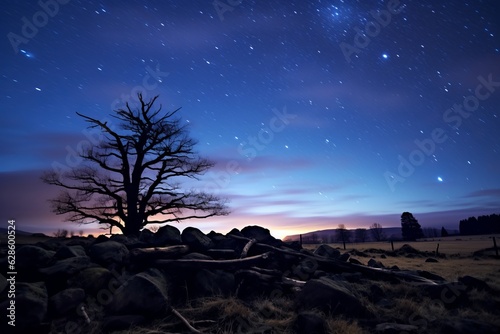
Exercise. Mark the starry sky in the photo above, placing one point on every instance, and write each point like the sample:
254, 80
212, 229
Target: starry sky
317, 113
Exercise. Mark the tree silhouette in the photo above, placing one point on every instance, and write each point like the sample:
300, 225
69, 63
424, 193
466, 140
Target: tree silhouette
343, 234
444, 233
410, 227
132, 178
360, 234
377, 231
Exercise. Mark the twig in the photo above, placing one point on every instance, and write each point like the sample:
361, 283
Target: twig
184, 320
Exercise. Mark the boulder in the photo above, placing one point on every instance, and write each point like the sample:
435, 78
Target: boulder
167, 235
66, 252
474, 283
67, 267
91, 280
147, 236
431, 260
327, 251
205, 283
109, 252
310, 323
144, 294
262, 235
452, 294
56, 276
330, 297
65, 302
196, 240
31, 257
375, 264
31, 305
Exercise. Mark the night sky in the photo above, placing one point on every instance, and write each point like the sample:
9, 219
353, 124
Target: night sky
332, 111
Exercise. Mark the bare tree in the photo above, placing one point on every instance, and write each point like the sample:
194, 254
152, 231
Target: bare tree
132, 177
360, 234
343, 234
377, 231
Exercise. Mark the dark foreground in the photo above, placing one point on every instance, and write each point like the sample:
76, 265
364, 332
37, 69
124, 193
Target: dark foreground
243, 282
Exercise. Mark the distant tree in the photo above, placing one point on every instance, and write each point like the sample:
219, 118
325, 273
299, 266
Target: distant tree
444, 233
61, 233
410, 228
133, 176
481, 225
431, 232
343, 234
377, 231
360, 234
80, 233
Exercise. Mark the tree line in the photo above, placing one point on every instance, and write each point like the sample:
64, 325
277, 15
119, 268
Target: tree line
487, 224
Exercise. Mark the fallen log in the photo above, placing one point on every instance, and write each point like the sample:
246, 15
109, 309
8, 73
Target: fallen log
212, 264
336, 266
155, 253
245, 250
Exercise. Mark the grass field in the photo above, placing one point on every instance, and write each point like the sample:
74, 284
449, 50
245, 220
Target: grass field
459, 245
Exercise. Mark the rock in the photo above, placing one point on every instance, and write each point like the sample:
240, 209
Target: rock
92, 280
31, 257
109, 252
383, 256
327, 251
196, 240
235, 232
144, 293
310, 323
50, 244
66, 252
65, 302
121, 322
147, 236
466, 326
56, 276
451, 294
262, 235
31, 305
67, 267
205, 283
330, 296
167, 235
431, 260
345, 257
407, 249
474, 283
354, 261
390, 328
376, 293
375, 264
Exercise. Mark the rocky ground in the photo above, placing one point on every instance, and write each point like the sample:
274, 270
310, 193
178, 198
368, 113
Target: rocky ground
243, 282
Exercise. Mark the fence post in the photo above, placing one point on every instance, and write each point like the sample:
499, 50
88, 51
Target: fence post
495, 245
437, 249
300, 239
392, 245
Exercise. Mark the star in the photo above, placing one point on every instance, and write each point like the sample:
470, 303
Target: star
440, 179
385, 56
